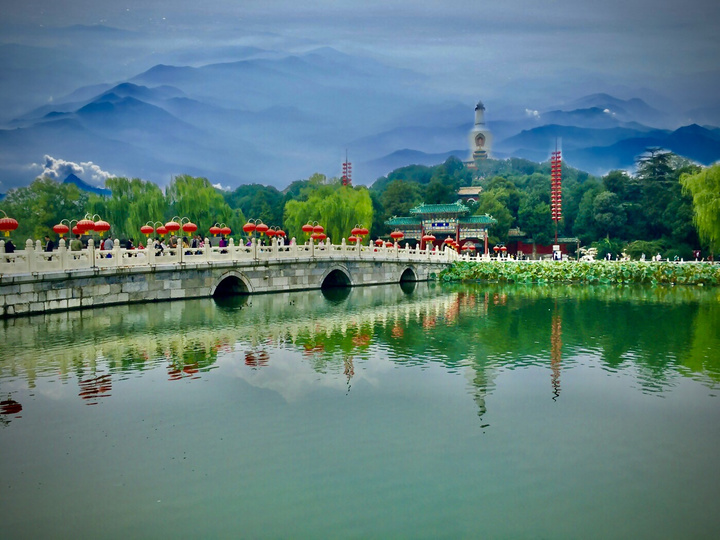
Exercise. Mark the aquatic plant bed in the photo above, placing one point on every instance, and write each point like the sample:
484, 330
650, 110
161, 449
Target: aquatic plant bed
584, 272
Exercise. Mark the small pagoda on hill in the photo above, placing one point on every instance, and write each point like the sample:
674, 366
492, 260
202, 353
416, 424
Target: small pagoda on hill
444, 221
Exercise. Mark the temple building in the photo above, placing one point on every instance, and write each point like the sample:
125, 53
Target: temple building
443, 221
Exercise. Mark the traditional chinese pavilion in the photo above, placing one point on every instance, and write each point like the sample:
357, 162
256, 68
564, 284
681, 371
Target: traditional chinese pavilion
443, 221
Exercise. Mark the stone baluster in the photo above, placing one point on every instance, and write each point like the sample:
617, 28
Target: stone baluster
312, 248
207, 250
91, 252
30, 256
62, 254
254, 249
116, 252
231, 249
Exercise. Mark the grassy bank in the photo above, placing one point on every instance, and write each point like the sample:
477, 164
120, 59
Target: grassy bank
597, 272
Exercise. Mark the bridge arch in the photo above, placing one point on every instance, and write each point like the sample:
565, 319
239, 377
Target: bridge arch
409, 274
336, 276
230, 284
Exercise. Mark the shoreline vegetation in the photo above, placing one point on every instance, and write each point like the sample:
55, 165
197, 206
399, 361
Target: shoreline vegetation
584, 272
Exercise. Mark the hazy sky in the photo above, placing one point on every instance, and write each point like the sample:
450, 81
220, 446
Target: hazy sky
463, 42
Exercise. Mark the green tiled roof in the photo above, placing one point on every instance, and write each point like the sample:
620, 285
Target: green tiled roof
454, 208
485, 220
400, 221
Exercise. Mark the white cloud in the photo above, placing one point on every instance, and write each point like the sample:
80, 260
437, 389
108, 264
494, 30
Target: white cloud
59, 169
532, 113
220, 187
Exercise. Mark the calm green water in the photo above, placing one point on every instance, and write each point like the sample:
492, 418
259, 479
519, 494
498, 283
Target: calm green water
425, 412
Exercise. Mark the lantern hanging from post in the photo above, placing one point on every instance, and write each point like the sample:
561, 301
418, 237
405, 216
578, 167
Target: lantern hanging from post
147, 230
248, 227
318, 229
61, 228
8, 224
101, 226
162, 230
261, 228
86, 225
172, 226
321, 237
307, 228
76, 230
215, 230
225, 231
379, 242
396, 235
189, 227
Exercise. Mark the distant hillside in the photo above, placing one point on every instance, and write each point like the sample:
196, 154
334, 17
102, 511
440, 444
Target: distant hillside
84, 186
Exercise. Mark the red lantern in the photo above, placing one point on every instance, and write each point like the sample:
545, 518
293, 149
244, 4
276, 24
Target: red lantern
271, 233
396, 235
321, 237
86, 225
307, 228
101, 226
379, 242
172, 226
318, 229
225, 231
356, 231
503, 249
61, 228
76, 230
8, 224
162, 230
261, 228
364, 231
248, 227
353, 239
214, 230
389, 244
281, 233
189, 227
147, 230
428, 238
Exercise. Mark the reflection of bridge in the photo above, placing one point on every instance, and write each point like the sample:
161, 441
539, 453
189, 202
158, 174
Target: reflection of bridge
34, 281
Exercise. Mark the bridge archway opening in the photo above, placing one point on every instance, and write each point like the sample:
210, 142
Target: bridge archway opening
336, 279
408, 275
230, 285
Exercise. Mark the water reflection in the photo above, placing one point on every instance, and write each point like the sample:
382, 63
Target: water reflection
481, 330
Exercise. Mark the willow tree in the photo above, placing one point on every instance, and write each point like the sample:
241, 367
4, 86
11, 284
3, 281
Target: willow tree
131, 205
200, 202
336, 207
704, 187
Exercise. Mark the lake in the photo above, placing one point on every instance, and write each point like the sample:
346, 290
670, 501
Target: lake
413, 411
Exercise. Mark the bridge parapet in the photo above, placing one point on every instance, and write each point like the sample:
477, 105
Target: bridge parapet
33, 260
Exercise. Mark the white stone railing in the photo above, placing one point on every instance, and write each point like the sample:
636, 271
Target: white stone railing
33, 259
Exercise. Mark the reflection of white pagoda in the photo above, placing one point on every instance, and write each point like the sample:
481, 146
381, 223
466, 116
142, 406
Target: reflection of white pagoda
480, 137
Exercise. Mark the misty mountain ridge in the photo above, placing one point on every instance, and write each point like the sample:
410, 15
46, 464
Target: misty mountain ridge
84, 186
279, 118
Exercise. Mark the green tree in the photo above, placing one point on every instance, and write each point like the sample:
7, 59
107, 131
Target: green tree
609, 215
204, 205
336, 207
41, 205
258, 202
131, 205
490, 202
704, 187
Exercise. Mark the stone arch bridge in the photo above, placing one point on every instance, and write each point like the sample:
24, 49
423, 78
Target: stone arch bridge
33, 281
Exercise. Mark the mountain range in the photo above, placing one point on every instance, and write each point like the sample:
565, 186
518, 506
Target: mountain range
273, 118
